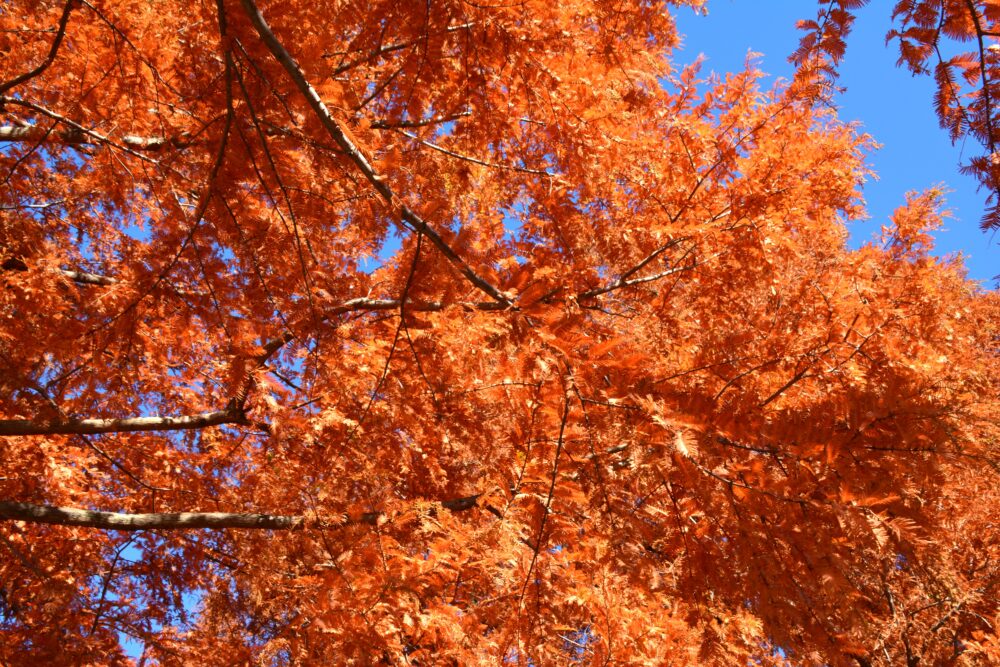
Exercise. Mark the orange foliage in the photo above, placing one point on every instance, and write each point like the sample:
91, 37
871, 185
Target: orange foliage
470, 333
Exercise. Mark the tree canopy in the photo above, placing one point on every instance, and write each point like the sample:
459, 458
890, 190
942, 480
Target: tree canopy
454, 332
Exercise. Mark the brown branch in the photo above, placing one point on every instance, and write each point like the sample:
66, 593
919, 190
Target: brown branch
619, 284
987, 102
9, 427
475, 160
77, 137
382, 50
69, 516
50, 58
547, 508
795, 378
435, 120
411, 305
723, 440
85, 278
361, 304
650, 257
18, 264
76, 129
72, 137
346, 144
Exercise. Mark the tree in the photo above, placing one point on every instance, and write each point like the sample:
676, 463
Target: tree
467, 333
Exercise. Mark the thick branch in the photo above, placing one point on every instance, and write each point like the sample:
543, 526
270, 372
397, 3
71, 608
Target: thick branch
74, 136
983, 71
85, 278
394, 304
18, 264
83, 137
346, 143
94, 426
69, 516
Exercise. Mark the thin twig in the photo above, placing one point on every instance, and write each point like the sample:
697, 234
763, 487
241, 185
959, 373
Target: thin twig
469, 158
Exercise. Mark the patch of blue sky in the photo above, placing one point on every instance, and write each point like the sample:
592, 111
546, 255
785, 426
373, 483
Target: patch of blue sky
387, 249
183, 617
443, 130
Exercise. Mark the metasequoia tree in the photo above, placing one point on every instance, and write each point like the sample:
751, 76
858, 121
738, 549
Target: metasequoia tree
466, 333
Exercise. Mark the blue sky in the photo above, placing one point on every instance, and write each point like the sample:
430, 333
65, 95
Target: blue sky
891, 105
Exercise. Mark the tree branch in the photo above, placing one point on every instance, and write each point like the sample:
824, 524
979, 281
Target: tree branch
85, 278
474, 160
18, 264
53, 50
394, 304
435, 120
619, 284
79, 130
354, 153
73, 137
382, 50
69, 516
9, 427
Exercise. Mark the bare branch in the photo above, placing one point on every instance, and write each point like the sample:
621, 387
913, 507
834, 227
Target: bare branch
619, 284
394, 304
80, 130
18, 264
74, 137
69, 516
66, 516
9, 427
85, 278
651, 256
435, 120
382, 50
359, 304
